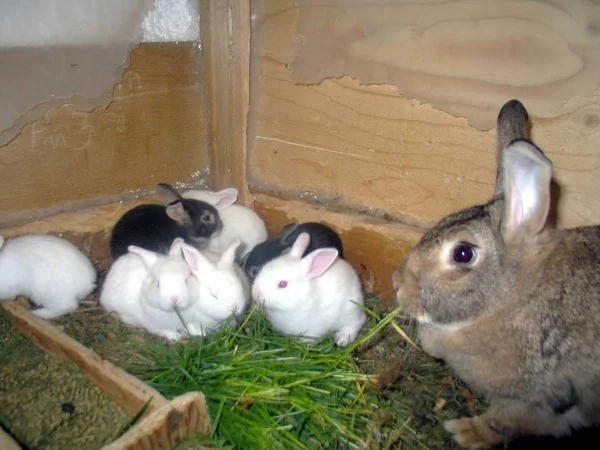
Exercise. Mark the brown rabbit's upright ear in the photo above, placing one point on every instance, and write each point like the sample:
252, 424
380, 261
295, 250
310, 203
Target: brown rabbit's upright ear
512, 124
527, 176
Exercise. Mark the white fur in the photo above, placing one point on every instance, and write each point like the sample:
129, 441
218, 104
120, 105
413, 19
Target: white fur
223, 289
238, 221
311, 306
130, 290
50, 271
425, 319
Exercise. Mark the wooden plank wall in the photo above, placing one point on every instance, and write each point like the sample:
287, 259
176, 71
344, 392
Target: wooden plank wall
386, 109
153, 131
374, 116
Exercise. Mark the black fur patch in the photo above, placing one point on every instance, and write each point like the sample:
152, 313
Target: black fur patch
562, 405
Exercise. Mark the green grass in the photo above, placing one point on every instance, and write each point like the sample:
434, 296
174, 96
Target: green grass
268, 391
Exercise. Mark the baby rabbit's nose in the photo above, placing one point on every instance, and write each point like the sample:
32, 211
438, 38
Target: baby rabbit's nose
174, 299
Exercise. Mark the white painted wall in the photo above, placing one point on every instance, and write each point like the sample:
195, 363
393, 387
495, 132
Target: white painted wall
37, 23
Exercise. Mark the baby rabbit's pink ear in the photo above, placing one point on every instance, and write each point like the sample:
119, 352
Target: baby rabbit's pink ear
227, 191
300, 245
228, 256
223, 201
177, 212
316, 263
175, 246
527, 177
195, 260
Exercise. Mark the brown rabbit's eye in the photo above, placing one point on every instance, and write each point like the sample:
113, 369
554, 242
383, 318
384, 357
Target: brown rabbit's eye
282, 284
463, 254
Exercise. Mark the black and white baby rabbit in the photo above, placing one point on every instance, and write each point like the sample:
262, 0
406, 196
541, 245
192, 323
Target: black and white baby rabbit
321, 236
155, 227
312, 295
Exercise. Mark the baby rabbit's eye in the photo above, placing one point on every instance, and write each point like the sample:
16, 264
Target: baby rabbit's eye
282, 284
206, 218
463, 253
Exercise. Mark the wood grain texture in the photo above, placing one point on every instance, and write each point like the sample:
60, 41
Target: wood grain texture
225, 36
151, 132
375, 248
183, 416
7, 442
460, 56
324, 136
130, 393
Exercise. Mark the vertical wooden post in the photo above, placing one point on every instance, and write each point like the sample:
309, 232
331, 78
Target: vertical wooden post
225, 40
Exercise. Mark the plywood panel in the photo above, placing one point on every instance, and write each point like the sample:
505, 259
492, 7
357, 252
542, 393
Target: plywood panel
341, 142
460, 56
153, 131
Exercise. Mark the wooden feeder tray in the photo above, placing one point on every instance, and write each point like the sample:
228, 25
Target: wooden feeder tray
164, 422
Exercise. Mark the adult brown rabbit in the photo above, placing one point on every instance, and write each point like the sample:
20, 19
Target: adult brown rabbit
511, 303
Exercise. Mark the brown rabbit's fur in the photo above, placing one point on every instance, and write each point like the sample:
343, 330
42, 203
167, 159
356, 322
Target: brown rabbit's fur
521, 322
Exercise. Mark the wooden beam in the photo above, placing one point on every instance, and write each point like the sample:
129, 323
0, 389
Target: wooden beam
225, 38
7, 442
130, 393
184, 416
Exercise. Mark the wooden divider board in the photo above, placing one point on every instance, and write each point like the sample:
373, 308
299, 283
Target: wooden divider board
153, 131
130, 393
7, 442
390, 105
163, 423
162, 429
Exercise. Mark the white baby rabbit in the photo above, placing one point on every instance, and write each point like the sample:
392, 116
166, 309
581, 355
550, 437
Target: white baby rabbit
144, 288
311, 296
52, 272
238, 221
223, 291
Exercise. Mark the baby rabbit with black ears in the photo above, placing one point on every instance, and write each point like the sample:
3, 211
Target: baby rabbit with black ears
511, 303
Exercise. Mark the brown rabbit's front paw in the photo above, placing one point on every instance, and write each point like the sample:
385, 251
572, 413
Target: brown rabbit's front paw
429, 341
474, 432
